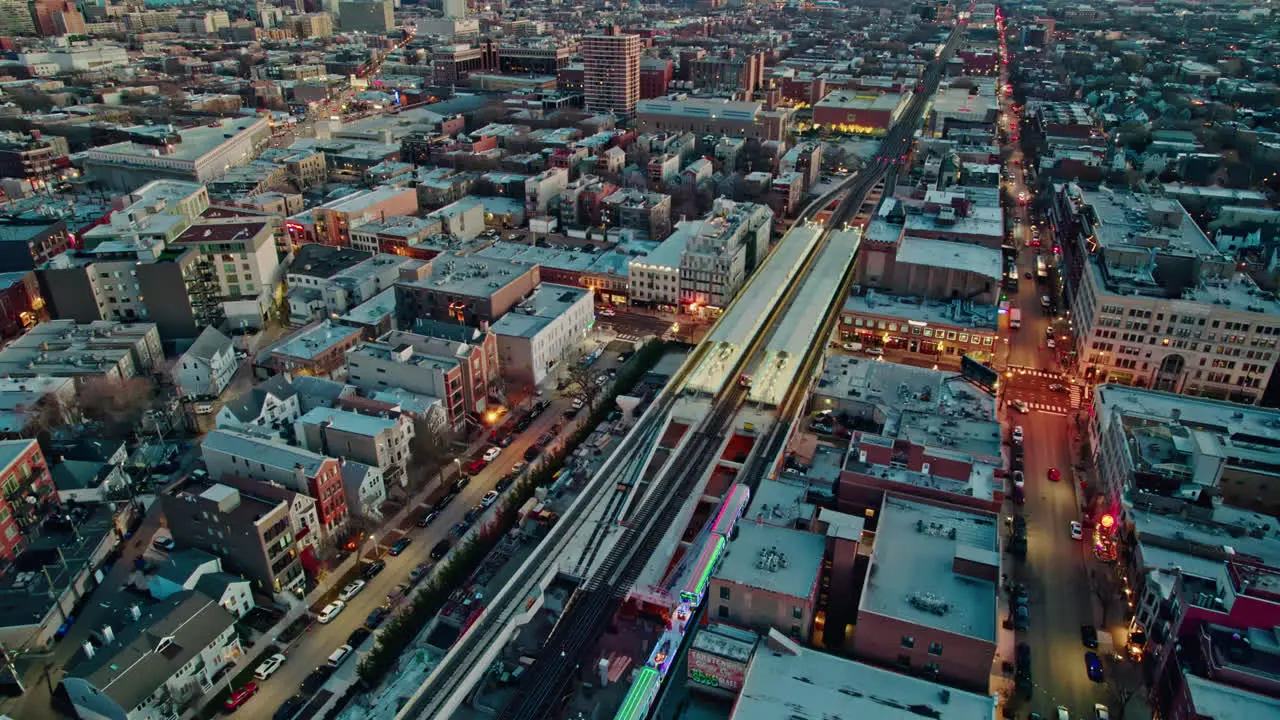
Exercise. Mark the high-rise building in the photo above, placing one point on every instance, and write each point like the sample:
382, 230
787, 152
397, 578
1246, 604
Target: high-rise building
454, 8
611, 79
16, 18
374, 16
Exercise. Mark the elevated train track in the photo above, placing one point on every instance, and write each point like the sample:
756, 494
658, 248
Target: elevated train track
593, 604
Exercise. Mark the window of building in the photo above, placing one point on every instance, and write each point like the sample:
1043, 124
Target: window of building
724, 611
908, 641
797, 612
724, 592
935, 648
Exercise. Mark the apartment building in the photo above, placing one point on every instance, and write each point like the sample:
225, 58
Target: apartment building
337, 282
235, 452
534, 56
198, 154
769, 580
535, 338
157, 664
253, 533
319, 350
1155, 304
468, 290
647, 212
458, 373
238, 253
611, 74
205, 369
1172, 445
722, 251
929, 603
63, 348
28, 493
380, 441
731, 72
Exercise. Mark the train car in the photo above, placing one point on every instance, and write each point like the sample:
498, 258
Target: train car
635, 706
734, 505
700, 574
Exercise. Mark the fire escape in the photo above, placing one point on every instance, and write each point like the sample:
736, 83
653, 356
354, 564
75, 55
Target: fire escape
28, 501
202, 288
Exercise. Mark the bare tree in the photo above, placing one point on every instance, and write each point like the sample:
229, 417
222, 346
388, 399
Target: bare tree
117, 404
582, 384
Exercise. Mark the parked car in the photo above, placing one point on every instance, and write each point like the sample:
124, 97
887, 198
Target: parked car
1077, 532
1018, 480
399, 546
1100, 712
489, 498
1089, 636
372, 569
337, 657
492, 454
428, 518
1063, 714
1054, 475
418, 572
351, 590
163, 543
1020, 406
476, 465
316, 679
376, 616
1093, 666
240, 697
461, 482
358, 636
504, 482
440, 550
270, 666
1018, 434
1057, 387
533, 452
290, 708
1021, 618
330, 612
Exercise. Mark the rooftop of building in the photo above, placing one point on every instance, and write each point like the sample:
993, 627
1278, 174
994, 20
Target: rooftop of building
63, 347
373, 310
222, 231
780, 503
773, 558
1217, 700
1142, 222
401, 226
315, 341
467, 275
196, 142
406, 348
967, 257
911, 308
1218, 532
359, 202
958, 210
700, 108
789, 681
264, 451
538, 311
349, 422
324, 261
912, 575
859, 100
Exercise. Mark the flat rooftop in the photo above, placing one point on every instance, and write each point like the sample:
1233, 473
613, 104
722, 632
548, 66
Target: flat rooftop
373, 310
548, 302
315, 341
348, 421
1141, 222
976, 259
701, 108
468, 275
804, 683
262, 450
1215, 700
196, 141
912, 574
774, 558
860, 100
942, 312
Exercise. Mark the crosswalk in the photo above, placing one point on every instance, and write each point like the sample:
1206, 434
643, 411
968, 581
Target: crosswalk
1049, 408
1075, 393
1033, 372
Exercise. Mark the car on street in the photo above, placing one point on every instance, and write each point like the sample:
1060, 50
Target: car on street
351, 590
608, 312
337, 657
269, 666
1021, 618
461, 482
368, 572
1054, 475
492, 454
1017, 434
460, 528
516, 469
504, 482
578, 403
1027, 275
1057, 387
376, 616
1093, 666
1100, 712
1063, 713
163, 543
1077, 531
330, 612
440, 550
399, 546
1051, 343
358, 636
489, 498
1018, 479
1089, 636
240, 697
428, 518
1019, 497
506, 440
476, 465
852, 346
875, 352
1021, 406
533, 452
418, 572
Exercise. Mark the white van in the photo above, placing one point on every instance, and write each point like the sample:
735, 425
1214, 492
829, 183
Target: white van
342, 653
1044, 301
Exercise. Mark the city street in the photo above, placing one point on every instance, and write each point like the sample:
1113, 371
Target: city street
315, 645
